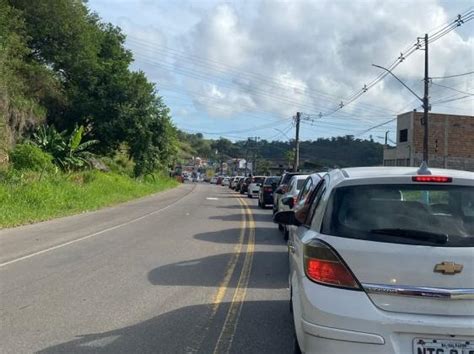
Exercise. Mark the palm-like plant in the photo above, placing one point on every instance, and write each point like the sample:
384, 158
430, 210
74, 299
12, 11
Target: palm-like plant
69, 152
76, 154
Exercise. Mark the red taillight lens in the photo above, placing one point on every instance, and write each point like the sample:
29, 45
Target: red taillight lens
432, 179
268, 189
323, 266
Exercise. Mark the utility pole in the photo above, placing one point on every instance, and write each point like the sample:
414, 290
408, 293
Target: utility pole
246, 157
297, 143
426, 105
255, 154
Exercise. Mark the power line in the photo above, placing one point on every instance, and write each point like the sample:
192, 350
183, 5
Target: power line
460, 20
376, 126
451, 76
224, 68
204, 76
453, 99
453, 89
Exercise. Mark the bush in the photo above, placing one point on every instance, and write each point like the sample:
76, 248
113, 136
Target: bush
30, 157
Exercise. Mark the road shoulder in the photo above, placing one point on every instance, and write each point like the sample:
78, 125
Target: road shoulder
29, 239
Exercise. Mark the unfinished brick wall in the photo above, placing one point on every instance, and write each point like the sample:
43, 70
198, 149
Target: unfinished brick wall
451, 140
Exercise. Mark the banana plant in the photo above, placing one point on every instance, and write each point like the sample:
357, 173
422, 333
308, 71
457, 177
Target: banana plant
69, 152
76, 154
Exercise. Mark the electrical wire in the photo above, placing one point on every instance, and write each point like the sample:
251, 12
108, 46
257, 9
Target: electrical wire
451, 76
224, 68
451, 100
453, 89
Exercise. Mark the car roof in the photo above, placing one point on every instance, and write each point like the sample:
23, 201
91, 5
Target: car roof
298, 177
365, 172
364, 175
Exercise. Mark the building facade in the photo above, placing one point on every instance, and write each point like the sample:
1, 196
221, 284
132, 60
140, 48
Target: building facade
451, 141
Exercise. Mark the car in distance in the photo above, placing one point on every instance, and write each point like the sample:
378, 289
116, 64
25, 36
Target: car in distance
254, 186
239, 183
213, 180
244, 187
234, 182
383, 262
226, 181
282, 188
265, 195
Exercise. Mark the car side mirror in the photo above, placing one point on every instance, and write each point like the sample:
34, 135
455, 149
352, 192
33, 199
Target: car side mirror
288, 201
279, 190
286, 218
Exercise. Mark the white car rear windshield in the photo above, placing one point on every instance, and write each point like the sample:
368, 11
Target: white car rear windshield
438, 215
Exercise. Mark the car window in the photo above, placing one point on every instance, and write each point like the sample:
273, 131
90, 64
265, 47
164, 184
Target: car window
316, 197
305, 189
258, 179
291, 184
299, 184
372, 211
271, 180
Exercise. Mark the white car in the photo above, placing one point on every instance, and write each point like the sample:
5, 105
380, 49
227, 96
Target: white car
226, 181
234, 181
383, 262
254, 186
213, 180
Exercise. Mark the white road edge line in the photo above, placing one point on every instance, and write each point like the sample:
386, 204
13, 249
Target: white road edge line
92, 235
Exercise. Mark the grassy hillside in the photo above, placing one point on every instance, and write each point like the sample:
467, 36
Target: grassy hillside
30, 197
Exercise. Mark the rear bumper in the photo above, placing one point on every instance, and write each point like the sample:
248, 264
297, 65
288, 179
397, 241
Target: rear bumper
268, 199
345, 321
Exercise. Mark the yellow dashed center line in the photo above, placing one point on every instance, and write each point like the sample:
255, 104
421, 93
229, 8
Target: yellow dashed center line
226, 336
224, 285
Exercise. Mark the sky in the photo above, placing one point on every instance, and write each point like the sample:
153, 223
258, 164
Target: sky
243, 68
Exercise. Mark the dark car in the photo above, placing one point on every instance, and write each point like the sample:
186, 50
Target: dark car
245, 185
265, 196
282, 188
239, 184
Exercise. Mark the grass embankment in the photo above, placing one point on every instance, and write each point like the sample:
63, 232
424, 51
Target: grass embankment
32, 197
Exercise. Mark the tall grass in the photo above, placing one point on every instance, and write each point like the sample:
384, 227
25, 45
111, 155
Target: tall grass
32, 197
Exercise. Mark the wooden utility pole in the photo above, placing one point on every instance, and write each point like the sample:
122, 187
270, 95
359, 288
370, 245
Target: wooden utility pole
426, 105
297, 143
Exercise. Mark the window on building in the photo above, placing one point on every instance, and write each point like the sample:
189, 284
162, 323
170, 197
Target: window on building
403, 136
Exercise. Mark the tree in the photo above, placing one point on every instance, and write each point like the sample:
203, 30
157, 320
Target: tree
88, 58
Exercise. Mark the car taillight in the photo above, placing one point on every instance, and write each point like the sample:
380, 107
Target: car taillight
432, 179
268, 189
323, 266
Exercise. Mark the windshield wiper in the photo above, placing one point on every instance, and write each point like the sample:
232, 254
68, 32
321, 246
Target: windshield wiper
413, 234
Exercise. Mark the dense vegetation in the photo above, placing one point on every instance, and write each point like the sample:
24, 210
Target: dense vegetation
61, 66
78, 128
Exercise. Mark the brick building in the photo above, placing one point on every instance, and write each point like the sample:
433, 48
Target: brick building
451, 141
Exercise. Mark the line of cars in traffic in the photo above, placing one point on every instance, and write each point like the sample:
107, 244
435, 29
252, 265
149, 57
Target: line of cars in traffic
381, 258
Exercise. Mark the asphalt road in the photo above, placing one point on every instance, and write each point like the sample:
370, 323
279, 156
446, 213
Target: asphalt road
192, 270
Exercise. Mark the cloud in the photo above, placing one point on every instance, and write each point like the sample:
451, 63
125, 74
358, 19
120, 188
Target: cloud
310, 55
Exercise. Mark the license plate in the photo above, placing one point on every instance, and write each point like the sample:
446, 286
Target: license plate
442, 346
